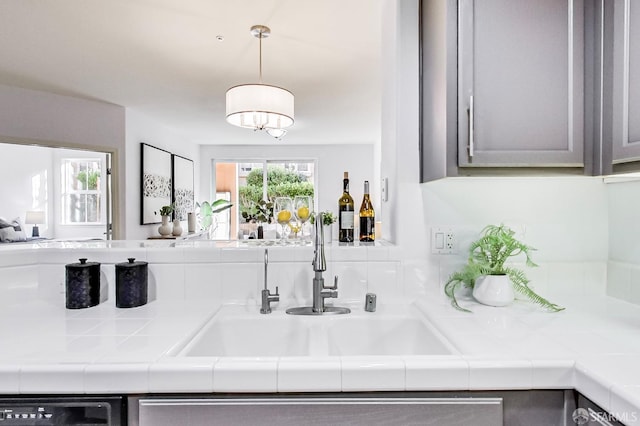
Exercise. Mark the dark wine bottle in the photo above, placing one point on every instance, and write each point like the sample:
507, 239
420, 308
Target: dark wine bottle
367, 217
345, 213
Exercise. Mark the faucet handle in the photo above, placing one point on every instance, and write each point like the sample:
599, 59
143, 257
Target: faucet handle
276, 293
335, 284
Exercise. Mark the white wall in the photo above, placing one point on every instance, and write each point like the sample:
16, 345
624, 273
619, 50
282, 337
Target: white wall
332, 162
624, 221
624, 241
400, 124
31, 115
564, 218
140, 128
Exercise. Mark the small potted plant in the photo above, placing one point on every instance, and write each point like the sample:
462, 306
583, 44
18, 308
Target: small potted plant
485, 273
328, 219
259, 213
165, 213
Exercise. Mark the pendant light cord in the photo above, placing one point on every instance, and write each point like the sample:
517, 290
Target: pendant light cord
260, 38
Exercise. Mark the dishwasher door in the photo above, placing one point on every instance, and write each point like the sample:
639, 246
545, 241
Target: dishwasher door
309, 410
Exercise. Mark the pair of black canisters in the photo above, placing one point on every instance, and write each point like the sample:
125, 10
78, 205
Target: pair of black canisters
83, 284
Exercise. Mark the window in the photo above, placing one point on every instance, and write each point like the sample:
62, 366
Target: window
247, 185
81, 191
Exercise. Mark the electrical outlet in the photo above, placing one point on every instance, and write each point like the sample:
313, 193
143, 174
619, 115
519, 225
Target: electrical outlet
443, 240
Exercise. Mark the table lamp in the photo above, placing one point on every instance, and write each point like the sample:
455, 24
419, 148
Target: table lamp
34, 217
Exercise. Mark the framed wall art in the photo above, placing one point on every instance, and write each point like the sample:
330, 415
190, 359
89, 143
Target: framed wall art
183, 191
156, 178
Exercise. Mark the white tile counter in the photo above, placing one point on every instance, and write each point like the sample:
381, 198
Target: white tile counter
592, 346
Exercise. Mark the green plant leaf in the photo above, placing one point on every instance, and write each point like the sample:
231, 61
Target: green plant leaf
205, 209
220, 205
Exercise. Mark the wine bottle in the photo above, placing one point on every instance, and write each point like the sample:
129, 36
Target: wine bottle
367, 217
345, 213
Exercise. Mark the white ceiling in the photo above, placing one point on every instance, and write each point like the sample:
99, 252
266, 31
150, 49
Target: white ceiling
162, 58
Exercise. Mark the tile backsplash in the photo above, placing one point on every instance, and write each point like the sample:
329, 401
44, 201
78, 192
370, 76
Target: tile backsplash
197, 270
209, 270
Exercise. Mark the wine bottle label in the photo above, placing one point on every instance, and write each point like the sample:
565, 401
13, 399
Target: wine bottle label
367, 225
346, 220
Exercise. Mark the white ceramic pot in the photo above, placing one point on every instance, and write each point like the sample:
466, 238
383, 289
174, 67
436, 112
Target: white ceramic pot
328, 233
493, 290
165, 228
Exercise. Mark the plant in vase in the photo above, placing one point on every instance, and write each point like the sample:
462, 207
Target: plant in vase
485, 273
259, 212
206, 210
165, 213
328, 219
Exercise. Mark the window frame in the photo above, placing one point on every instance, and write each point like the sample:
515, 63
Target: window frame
65, 192
264, 162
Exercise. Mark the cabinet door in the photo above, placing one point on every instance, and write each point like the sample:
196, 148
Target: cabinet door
520, 83
626, 81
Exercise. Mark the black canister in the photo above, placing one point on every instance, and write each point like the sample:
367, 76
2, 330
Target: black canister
82, 284
131, 284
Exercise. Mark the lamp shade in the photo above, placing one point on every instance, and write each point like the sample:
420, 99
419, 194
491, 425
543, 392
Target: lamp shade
34, 217
259, 106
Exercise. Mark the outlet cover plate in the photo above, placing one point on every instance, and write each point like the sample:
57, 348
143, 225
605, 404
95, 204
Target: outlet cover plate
443, 240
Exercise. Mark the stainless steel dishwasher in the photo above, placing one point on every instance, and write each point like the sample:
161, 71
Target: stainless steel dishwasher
310, 410
478, 408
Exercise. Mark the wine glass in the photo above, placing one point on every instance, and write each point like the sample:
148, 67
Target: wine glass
282, 210
302, 207
296, 226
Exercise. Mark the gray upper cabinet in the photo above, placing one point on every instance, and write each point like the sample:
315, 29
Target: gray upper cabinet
626, 81
520, 94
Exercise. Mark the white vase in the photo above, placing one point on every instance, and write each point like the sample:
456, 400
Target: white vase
165, 228
493, 290
177, 228
191, 222
328, 233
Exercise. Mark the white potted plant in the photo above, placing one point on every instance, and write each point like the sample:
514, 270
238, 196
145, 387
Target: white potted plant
328, 219
165, 213
493, 283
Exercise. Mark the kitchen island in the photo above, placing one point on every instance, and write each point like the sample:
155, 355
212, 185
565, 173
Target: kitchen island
593, 346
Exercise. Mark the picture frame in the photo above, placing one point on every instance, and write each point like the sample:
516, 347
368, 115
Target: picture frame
183, 187
156, 177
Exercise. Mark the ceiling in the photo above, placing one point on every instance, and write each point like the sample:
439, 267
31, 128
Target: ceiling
162, 58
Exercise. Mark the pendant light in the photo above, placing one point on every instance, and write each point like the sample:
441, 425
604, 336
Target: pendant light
260, 106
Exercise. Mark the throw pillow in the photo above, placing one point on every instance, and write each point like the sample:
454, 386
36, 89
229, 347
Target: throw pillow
17, 225
12, 231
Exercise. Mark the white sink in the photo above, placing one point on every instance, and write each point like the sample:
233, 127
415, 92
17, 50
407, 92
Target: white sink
239, 337
385, 336
239, 332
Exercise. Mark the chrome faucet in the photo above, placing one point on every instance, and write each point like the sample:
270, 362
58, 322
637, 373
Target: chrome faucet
267, 297
320, 291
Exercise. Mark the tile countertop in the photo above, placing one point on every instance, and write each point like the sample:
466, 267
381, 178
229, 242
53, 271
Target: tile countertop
592, 346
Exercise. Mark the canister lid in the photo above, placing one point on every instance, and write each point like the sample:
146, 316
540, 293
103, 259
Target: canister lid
131, 263
83, 264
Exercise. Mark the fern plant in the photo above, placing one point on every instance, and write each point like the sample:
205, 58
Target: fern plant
487, 256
